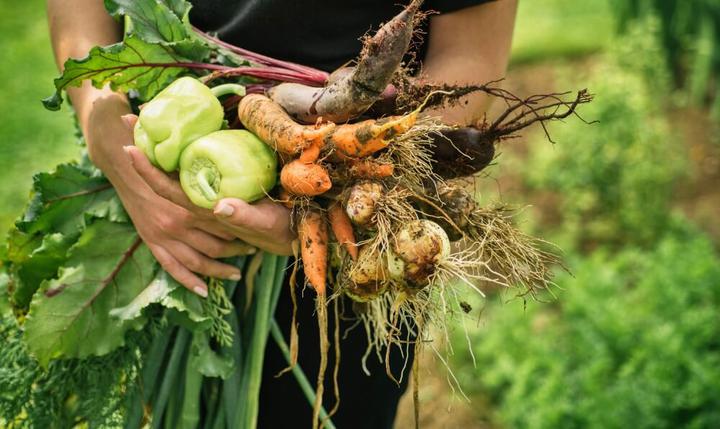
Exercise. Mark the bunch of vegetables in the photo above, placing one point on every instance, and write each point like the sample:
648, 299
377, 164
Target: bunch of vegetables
378, 191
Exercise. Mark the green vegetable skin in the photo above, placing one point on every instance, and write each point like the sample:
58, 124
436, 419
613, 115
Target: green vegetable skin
182, 112
227, 163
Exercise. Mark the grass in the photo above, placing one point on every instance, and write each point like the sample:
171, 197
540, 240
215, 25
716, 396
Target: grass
33, 139
548, 29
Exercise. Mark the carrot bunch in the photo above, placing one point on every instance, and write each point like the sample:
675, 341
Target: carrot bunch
371, 195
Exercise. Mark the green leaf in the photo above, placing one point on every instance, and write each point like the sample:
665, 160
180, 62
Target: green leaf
131, 64
63, 199
40, 264
162, 22
153, 20
61, 204
164, 290
107, 268
207, 361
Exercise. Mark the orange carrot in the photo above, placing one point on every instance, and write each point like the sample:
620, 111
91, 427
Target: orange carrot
299, 178
367, 137
311, 153
313, 236
342, 228
285, 198
271, 124
370, 169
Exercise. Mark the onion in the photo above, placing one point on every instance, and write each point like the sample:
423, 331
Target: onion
368, 276
361, 202
418, 249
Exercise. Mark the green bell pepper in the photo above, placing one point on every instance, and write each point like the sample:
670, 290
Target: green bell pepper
182, 112
227, 163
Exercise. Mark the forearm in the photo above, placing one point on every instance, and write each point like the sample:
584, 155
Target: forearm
470, 46
75, 27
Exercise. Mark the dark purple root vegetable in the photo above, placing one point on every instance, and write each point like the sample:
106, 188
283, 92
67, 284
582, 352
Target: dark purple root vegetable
461, 152
349, 94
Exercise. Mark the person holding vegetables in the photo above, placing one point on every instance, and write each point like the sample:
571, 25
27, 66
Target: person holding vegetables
467, 42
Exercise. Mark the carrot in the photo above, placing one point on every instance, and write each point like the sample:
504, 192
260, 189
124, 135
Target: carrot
271, 124
347, 94
313, 236
303, 179
342, 228
364, 138
370, 169
285, 198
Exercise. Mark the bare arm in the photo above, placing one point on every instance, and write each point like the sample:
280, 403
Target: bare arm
470, 46
183, 240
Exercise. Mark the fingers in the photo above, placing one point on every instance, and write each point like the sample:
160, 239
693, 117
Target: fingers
129, 120
214, 228
264, 217
264, 224
157, 179
214, 247
178, 271
201, 264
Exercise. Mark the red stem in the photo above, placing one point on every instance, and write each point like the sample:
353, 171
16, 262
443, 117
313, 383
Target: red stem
267, 73
309, 73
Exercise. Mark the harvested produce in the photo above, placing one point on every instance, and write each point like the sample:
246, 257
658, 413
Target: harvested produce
369, 276
342, 229
305, 179
275, 127
389, 229
419, 248
351, 92
313, 237
179, 114
363, 197
227, 163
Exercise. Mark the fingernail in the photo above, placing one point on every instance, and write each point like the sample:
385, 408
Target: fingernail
224, 209
127, 151
251, 250
200, 290
236, 276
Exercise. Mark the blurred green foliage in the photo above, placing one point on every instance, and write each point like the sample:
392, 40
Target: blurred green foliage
614, 177
33, 139
690, 37
552, 29
633, 341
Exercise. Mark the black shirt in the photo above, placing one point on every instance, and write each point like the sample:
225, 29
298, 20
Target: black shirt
320, 33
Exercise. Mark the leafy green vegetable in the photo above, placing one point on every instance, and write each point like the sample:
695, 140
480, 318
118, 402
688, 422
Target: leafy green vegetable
207, 361
64, 198
154, 20
93, 391
61, 204
71, 315
129, 65
187, 308
39, 263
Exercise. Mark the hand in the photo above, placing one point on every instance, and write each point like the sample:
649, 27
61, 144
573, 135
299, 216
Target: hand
184, 243
264, 224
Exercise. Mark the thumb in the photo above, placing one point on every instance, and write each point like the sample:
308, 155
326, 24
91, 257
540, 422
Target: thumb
129, 120
234, 211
